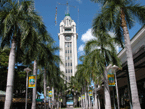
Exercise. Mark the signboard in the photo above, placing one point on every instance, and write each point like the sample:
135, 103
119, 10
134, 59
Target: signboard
32, 81
90, 92
50, 93
111, 79
79, 99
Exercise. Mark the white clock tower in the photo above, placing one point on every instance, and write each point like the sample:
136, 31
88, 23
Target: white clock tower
68, 46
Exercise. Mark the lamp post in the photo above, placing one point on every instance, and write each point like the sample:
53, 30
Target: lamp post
27, 71
116, 85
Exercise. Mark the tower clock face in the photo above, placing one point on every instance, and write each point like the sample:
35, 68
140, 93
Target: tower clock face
67, 38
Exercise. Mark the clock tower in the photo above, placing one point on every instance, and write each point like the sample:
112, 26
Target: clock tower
68, 47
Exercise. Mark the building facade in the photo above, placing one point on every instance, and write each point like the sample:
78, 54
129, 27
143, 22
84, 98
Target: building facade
68, 47
123, 81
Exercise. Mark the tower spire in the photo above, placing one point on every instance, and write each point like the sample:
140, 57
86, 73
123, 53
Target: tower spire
67, 8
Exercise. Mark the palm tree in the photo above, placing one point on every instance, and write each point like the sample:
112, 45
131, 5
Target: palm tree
15, 24
103, 52
119, 16
49, 63
84, 76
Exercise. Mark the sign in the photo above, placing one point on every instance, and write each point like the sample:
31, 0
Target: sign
83, 96
50, 93
32, 81
111, 79
90, 92
79, 99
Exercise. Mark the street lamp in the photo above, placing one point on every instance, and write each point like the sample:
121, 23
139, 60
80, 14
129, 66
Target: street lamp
27, 71
116, 85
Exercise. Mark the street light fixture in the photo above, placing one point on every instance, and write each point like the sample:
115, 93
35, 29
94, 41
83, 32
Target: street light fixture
116, 85
27, 71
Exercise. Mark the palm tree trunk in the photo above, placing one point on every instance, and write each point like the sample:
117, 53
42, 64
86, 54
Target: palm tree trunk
82, 100
89, 97
10, 76
130, 63
34, 89
106, 91
52, 97
86, 101
44, 89
95, 106
98, 102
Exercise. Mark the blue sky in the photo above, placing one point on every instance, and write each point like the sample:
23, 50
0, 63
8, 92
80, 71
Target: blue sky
87, 12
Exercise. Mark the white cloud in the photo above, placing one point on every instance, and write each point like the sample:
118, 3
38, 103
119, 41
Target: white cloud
87, 36
111, 34
81, 48
116, 45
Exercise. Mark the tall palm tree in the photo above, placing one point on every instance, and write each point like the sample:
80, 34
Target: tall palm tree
105, 53
49, 62
15, 19
119, 16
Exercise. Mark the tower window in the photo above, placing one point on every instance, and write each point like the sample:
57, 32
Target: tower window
65, 44
66, 70
66, 58
68, 29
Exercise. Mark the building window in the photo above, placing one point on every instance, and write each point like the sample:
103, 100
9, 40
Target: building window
65, 51
70, 51
71, 70
66, 58
65, 64
66, 70
70, 58
68, 64
65, 44
68, 29
70, 44
69, 77
66, 78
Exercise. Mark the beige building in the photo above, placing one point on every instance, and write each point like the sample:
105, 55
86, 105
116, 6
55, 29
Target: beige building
68, 45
